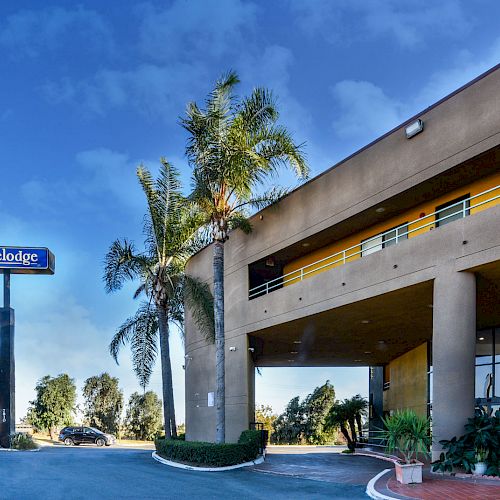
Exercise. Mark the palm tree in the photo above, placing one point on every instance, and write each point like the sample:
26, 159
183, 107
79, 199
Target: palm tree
171, 229
346, 415
338, 418
234, 146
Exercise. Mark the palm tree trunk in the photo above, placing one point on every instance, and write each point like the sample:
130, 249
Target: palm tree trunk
166, 375
220, 389
350, 444
352, 425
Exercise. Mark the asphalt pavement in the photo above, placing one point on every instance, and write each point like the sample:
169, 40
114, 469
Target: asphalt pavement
86, 472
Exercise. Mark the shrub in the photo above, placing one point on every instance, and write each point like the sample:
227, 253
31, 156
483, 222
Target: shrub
481, 441
22, 441
407, 433
211, 454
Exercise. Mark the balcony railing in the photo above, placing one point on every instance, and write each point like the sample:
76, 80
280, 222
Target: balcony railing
463, 208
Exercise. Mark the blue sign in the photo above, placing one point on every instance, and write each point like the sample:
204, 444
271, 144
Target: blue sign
19, 260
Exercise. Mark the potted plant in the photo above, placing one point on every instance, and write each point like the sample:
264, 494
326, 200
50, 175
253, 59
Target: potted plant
409, 434
480, 466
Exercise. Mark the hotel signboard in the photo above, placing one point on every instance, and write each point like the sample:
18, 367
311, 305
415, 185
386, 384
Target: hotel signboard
27, 260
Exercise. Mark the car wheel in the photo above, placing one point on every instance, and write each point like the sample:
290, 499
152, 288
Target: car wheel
100, 442
68, 442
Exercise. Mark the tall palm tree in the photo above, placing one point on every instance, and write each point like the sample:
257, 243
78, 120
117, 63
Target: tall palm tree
171, 229
234, 146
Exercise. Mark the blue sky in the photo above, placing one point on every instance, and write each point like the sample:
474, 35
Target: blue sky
89, 90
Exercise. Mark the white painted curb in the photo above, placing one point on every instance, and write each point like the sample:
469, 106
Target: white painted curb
372, 492
205, 469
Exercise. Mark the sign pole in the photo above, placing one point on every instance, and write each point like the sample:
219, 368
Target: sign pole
14, 260
6, 288
7, 366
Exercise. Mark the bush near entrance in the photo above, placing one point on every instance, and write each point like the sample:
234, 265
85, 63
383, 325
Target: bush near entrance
210, 454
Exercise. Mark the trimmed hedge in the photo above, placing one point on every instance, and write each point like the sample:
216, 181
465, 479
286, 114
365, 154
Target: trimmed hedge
211, 454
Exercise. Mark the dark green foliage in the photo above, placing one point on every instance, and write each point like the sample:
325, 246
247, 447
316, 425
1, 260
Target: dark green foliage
54, 405
346, 415
252, 438
22, 441
143, 417
481, 441
304, 422
211, 454
103, 403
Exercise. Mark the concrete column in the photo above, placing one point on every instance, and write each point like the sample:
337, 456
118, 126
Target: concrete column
453, 354
7, 376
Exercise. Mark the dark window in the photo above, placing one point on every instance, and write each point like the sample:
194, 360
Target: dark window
453, 210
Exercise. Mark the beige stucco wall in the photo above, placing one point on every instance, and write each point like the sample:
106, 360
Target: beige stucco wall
408, 388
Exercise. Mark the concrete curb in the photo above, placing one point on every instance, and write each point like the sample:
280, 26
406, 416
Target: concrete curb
205, 469
372, 492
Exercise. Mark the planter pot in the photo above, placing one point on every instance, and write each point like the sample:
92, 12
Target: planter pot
409, 473
480, 468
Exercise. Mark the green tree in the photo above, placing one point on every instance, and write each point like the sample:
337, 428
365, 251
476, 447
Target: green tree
305, 422
264, 414
345, 415
234, 147
143, 416
103, 402
315, 409
54, 405
288, 427
171, 229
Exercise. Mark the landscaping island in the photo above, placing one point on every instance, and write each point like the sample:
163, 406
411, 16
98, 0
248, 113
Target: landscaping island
201, 454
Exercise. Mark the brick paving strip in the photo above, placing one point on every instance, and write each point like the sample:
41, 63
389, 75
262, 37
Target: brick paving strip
438, 487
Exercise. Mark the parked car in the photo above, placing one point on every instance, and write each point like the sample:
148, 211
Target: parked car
87, 435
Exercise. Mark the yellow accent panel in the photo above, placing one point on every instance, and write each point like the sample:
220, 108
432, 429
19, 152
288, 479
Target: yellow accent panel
408, 382
413, 214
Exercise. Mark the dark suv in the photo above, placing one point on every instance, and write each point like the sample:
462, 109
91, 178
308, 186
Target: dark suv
87, 435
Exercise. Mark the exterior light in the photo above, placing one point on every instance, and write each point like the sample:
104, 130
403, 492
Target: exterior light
305, 245
297, 341
293, 352
270, 262
380, 210
357, 360
414, 128
481, 338
381, 341
365, 321
368, 352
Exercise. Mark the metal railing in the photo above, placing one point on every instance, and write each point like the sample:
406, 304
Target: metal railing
463, 208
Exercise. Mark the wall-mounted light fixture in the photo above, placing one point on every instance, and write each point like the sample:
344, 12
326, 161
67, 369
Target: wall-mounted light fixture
232, 348
414, 128
270, 262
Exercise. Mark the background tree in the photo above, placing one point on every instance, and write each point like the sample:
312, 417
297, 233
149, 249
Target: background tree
315, 409
54, 405
171, 231
265, 415
103, 403
306, 421
234, 147
143, 416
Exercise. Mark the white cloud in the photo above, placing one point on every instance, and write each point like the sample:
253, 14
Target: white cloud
364, 111
411, 24
31, 32
186, 29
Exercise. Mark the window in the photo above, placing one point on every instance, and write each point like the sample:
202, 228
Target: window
453, 210
385, 239
487, 384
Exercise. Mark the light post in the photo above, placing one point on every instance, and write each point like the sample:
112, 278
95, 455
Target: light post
14, 260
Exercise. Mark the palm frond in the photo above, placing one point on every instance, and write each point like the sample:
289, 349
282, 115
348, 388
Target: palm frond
122, 263
200, 302
239, 220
